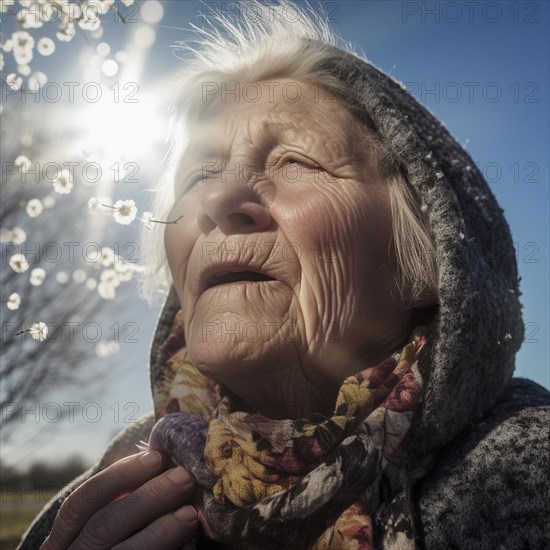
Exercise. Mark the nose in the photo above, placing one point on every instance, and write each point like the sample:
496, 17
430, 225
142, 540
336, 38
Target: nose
233, 208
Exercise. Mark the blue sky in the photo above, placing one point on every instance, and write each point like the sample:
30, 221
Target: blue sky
483, 72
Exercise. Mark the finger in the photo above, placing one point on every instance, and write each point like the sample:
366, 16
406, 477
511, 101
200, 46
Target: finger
122, 519
121, 477
168, 532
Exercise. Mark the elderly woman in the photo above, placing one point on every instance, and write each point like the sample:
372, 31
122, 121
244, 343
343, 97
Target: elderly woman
333, 365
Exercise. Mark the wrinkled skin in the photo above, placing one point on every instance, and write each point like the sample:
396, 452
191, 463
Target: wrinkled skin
137, 503
299, 198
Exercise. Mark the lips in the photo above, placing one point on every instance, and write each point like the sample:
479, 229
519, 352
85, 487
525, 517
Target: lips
224, 275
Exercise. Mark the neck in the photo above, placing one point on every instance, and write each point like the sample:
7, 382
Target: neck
288, 393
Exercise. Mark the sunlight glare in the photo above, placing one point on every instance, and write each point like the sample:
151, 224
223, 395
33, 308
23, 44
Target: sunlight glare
122, 131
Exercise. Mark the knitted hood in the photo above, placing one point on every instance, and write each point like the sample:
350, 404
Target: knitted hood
478, 328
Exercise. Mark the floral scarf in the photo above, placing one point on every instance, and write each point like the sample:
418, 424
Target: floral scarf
317, 483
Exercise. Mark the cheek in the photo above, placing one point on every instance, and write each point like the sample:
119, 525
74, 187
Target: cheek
346, 237
350, 225
180, 237
324, 229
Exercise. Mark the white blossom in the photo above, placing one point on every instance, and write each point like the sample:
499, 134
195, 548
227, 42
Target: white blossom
24, 70
79, 276
90, 20
34, 14
23, 44
7, 46
34, 208
23, 162
128, 3
106, 290
37, 80
72, 10
19, 263
39, 331
63, 183
14, 81
94, 204
108, 257
103, 349
66, 30
125, 211
124, 271
38, 275
147, 220
18, 236
45, 46
62, 277
91, 283
22, 40
110, 277
99, 204
14, 301
48, 201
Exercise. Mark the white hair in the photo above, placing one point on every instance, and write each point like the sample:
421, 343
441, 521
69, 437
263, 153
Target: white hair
259, 42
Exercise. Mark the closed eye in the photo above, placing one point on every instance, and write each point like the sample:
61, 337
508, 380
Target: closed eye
302, 161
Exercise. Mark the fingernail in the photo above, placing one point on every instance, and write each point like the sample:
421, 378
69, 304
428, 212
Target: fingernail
187, 513
179, 475
151, 459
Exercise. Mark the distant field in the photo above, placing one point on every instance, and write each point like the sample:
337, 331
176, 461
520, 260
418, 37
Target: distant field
16, 513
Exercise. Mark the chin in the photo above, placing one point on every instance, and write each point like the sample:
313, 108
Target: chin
231, 361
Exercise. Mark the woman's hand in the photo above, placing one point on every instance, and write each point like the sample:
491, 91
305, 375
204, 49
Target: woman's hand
134, 504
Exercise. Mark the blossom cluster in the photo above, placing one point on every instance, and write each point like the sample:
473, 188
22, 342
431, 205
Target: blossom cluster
115, 270
33, 37
34, 14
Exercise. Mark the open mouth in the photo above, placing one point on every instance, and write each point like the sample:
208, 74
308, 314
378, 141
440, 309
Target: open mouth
237, 277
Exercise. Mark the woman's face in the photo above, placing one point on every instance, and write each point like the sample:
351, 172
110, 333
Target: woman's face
283, 260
